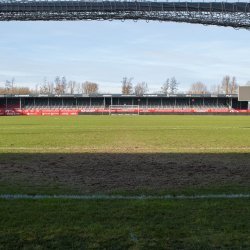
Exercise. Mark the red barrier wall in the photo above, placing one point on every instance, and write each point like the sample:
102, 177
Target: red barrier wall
75, 112
167, 110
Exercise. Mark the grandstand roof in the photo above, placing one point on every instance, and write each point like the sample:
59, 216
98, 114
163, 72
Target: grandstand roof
121, 95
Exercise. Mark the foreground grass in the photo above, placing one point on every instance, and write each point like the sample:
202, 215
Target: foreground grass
125, 224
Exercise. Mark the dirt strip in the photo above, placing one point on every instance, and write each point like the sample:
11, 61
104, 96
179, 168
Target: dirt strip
107, 172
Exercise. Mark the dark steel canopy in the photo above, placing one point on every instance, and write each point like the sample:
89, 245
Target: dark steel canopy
235, 15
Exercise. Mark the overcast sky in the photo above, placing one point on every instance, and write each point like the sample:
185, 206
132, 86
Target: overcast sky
105, 52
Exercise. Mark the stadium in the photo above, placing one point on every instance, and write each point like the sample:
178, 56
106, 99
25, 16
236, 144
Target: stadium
98, 104
164, 172
124, 171
124, 182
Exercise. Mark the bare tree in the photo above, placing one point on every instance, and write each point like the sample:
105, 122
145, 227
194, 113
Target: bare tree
12, 82
198, 88
46, 87
22, 90
72, 87
2, 91
127, 87
78, 88
90, 88
173, 86
141, 88
17, 90
225, 85
229, 87
215, 89
64, 85
51, 88
37, 89
248, 83
43, 87
233, 86
165, 87
57, 82
60, 85
8, 87
218, 89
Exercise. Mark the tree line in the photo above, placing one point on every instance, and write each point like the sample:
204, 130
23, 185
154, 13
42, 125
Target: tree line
171, 86
227, 86
59, 86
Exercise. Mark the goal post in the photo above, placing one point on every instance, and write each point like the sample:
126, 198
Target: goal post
123, 109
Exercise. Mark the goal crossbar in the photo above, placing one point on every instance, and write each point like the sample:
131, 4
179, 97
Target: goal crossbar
123, 109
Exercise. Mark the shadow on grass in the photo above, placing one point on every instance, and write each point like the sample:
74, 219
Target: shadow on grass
209, 223
124, 224
124, 173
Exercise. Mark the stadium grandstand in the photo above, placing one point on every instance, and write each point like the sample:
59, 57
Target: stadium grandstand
145, 102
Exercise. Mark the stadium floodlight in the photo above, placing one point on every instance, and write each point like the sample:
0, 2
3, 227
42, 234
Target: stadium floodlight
123, 109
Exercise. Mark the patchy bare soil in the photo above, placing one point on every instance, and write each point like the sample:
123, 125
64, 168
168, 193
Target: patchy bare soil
101, 172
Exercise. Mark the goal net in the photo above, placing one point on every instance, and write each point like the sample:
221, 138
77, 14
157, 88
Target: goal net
123, 109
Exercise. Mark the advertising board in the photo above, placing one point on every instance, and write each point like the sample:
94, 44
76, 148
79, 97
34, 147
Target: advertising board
219, 110
162, 110
103, 110
201, 110
88, 110
13, 112
51, 112
68, 112
32, 112
239, 111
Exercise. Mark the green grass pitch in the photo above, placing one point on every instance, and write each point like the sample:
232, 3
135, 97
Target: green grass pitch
32, 147
117, 133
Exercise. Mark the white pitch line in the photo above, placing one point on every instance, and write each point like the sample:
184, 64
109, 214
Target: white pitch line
126, 127
82, 148
142, 197
22, 148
